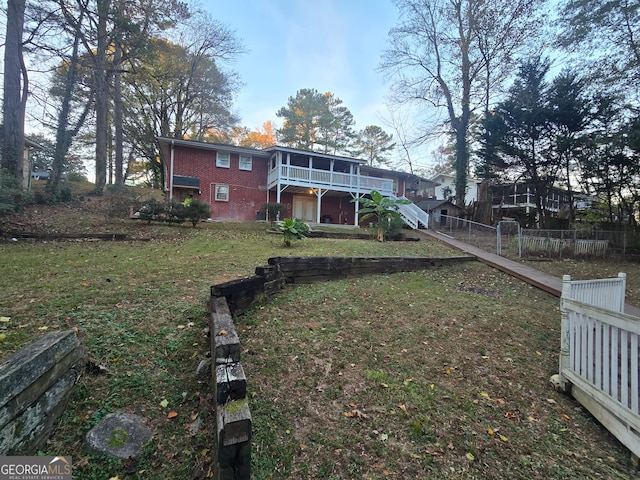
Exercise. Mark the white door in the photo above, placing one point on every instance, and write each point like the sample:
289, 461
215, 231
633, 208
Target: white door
304, 208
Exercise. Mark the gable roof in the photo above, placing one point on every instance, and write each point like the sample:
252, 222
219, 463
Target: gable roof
430, 205
218, 147
268, 152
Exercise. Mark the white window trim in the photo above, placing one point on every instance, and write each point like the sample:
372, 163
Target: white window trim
248, 163
216, 198
221, 161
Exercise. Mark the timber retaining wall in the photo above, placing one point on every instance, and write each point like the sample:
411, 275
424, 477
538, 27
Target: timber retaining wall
233, 417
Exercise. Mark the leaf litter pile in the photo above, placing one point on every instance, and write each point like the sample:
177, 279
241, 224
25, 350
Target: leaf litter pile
436, 374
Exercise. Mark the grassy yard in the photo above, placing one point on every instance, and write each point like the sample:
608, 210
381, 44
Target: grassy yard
435, 374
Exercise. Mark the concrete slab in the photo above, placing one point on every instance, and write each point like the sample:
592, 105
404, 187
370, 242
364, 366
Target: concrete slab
120, 435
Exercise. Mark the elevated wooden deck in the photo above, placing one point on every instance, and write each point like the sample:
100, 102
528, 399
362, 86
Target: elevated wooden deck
544, 281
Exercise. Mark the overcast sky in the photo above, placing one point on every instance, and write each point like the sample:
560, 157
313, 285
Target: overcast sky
329, 45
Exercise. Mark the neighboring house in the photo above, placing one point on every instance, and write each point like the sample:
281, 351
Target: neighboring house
446, 189
439, 211
27, 173
315, 187
519, 197
40, 175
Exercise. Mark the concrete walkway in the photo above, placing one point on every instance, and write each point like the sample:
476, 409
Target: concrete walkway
544, 281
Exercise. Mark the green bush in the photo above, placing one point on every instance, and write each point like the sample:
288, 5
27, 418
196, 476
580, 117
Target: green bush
174, 212
197, 210
393, 228
11, 196
152, 210
273, 211
291, 230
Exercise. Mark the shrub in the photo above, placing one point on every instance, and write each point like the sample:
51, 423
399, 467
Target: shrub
152, 210
273, 211
11, 196
197, 210
294, 229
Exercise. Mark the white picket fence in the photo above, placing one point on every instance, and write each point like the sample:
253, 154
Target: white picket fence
562, 247
599, 354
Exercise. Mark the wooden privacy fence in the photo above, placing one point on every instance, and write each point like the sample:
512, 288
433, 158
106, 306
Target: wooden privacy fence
599, 354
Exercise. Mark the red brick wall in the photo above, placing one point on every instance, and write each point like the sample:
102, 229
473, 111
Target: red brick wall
247, 189
338, 208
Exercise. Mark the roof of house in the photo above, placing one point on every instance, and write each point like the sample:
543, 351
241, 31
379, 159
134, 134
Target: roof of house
452, 177
212, 146
271, 150
430, 205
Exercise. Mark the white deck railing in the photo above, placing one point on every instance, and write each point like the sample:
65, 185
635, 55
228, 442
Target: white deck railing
413, 215
599, 354
316, 178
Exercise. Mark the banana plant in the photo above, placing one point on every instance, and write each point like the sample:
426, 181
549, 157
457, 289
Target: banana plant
382, 209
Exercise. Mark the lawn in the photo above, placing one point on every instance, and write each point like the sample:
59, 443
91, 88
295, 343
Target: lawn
435, 374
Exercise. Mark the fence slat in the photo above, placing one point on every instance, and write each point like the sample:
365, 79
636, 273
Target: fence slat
624, 367
598, 354
606, 359
634, 373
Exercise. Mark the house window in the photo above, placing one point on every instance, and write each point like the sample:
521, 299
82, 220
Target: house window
245, 162
222, 193
223, 160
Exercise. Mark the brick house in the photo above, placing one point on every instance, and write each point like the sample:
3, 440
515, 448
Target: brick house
315, 187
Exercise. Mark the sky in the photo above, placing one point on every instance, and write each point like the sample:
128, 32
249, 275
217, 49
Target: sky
328, 45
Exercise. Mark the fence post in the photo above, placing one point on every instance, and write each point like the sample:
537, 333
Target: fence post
564, 362
498, 240
519, 241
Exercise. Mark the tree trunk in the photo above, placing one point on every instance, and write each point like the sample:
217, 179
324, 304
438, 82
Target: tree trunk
117, 117
15, 93
102, 96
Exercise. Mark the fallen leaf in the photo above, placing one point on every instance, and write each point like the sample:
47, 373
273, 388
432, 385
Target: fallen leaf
484, 394
538, 353
164, 403
503, 438
384, 436
43, 328
222, 332
490, 431
3, 337
470, 457
172, 414
85, 284
5, 319
402, 407
356, 414
384, 385
302, 446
